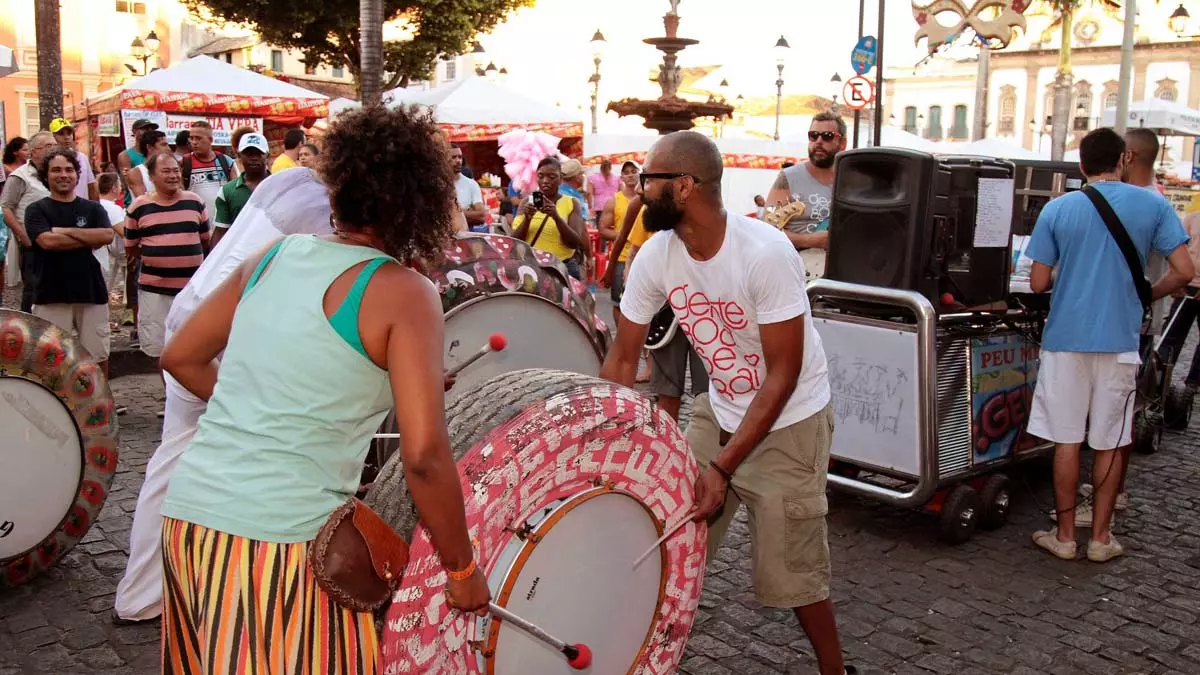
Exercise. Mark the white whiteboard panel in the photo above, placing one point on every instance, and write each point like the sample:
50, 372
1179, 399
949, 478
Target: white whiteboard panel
873, 377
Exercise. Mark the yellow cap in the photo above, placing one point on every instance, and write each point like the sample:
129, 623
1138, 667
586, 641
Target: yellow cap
58, 124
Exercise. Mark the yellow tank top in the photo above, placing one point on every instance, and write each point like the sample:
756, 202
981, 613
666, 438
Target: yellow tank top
637, 233
549, 241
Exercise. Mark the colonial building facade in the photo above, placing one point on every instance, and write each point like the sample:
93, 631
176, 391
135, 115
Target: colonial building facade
936, 99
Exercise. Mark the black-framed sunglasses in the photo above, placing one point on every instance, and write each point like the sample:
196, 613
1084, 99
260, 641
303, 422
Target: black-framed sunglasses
671, 175
826, 136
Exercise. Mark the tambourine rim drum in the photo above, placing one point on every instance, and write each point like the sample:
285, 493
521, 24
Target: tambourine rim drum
79, 444
38, 352
473, 301
530, 544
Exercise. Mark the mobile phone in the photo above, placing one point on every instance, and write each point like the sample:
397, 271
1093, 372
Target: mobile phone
537, 199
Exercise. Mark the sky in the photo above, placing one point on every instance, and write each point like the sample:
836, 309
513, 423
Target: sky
547, 52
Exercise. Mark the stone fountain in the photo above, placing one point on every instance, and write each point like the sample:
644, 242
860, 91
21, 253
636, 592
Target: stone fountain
669, 112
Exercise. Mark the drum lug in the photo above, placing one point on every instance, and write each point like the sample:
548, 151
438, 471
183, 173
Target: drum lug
524, 532
481, 647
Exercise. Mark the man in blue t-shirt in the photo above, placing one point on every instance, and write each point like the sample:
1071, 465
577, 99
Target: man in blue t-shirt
1089, 358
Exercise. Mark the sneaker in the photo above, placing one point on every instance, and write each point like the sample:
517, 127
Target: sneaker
1048, 539
1097, 552
1122, 499
1083, 515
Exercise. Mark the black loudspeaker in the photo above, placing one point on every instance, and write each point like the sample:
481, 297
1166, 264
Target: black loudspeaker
1036, 183
887, 205
976, 275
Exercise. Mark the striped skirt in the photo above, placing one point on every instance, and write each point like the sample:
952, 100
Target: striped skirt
236, 606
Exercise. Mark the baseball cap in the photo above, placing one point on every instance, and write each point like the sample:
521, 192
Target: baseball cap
143, 124
58, 124
571, 168
256, 141
631, 163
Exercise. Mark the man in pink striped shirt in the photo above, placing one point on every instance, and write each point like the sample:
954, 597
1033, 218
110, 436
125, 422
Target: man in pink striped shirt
169, 229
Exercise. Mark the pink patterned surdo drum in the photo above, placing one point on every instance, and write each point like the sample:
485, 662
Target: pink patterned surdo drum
58, 445
568, 481
497, 284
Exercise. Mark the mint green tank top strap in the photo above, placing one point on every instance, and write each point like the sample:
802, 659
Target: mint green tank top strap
295, 406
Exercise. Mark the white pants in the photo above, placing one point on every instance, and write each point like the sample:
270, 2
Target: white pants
1085, 396
152, 321
140, 594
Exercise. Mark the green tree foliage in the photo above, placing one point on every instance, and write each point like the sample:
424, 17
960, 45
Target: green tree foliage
326, 31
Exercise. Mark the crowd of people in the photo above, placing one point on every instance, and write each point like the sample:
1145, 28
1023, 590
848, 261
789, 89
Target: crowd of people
234, 517
157, 210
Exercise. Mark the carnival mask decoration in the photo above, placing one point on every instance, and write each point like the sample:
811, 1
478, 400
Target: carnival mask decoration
1009, 14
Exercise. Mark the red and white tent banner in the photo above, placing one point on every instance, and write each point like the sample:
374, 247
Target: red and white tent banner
731, 160
226, 104
461, 133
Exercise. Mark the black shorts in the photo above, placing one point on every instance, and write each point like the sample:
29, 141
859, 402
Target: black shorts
618, 283
672, 362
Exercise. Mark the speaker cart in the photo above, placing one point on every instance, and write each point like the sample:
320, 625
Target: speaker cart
929, 409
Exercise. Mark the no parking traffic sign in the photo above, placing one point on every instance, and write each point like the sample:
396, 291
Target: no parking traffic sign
858, 92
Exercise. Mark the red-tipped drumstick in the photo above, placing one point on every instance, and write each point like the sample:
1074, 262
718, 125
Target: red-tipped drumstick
578, 656
496, 343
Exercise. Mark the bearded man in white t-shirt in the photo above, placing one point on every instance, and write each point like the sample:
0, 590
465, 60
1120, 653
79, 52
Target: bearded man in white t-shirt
763, 431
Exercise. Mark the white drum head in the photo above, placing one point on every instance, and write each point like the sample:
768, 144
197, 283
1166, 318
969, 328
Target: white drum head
540, 335
578, 583
40, 467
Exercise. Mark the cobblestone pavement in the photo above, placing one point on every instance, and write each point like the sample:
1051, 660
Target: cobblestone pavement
906, 603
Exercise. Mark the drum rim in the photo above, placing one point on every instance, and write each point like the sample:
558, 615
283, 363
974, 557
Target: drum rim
98, 441
83, 463
574, 321
533, 539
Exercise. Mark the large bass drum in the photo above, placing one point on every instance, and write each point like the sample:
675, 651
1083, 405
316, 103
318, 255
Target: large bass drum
568, 481
496, 284
59, 448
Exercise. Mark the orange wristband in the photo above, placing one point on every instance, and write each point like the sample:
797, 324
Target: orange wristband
462, 575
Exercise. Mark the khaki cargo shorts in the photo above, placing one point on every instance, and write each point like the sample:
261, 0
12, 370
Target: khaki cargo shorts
782, 484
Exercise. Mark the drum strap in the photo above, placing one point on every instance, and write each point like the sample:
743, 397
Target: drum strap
539, 232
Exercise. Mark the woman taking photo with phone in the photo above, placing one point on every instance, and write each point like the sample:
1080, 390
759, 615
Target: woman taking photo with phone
551, 221
320, 337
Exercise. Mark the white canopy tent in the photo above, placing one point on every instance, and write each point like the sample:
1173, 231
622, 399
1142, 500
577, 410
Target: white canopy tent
1166, 118
988, 147
478, 109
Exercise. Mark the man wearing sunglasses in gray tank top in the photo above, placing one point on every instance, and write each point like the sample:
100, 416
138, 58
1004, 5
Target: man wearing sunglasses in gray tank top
811, 183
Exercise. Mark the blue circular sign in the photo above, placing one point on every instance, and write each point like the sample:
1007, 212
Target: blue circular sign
865, 54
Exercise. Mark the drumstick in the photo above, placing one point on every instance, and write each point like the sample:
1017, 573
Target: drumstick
496, 343
666, 535
578, 656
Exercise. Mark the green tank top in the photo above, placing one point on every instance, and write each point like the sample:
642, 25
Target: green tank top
296, 404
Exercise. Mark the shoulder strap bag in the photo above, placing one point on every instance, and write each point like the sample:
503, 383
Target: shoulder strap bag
1121, 236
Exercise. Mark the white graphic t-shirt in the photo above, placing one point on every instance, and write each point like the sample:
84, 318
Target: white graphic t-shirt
816, 196
208, 177
756, 278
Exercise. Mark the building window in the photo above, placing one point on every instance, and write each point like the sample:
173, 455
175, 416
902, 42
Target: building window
451, 70
228, 56
1008, 109
959, 131
277, 60
30, 115
339, 71
131, 7
1083, 107
934, 131
1110, 94
309, 69
910, 119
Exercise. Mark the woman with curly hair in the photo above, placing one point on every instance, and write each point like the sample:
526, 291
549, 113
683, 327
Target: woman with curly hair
319, 338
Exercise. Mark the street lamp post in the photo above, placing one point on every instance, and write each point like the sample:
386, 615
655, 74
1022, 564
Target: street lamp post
478, 54
835, 81
1041, 132
598, 44
781, 50
143, 50
1179, 20
723, 89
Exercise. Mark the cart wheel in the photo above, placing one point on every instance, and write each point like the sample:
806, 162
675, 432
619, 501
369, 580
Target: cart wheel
996, 500
960, 514
1177, 409
1145, 435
